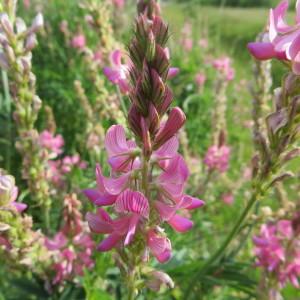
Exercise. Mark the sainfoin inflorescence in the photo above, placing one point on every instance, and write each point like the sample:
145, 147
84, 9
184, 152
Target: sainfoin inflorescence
148, 175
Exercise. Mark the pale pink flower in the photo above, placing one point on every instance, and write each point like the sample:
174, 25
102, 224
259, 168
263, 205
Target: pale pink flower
217, 158
223, 65
278, 251
53, 143
187, 44
73, 255
118, 72
228, 198
119, 3
200, 79
78, 41
98, 56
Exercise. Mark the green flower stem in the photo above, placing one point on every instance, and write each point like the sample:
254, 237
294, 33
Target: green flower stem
218, 254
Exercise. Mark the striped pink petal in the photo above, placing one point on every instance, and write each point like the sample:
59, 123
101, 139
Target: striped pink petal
132, 202
168, 149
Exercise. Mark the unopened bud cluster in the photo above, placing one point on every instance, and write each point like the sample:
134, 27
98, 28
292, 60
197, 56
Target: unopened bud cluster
16, 42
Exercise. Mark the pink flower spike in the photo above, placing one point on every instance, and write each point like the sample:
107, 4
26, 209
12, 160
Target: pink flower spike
160, 246
57, 242
118, 73
174, 123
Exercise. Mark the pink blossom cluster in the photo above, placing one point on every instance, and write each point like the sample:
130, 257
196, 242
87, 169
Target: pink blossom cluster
282, 41
60, 167
217, 158
118, 3
118, 73
53, 143
78, 41
277, 249
186, 39
72, 246
71, 256
224, 66
200, 79
131, 207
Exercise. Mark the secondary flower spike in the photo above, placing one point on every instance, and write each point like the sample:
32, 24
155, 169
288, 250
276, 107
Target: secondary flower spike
283, 40
145, 191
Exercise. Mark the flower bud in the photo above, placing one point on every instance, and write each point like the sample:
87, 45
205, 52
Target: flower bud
174, 123
3, 62
37, 103
157, 279
150, 49
20, 26
6, 24
30, 42
37, 24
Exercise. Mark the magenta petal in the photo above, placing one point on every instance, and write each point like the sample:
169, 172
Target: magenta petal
57, 242
173, 72
195, 203
20, 207
131, 229
180, 223
262, 51
168, 149
164, 256
108, 243
97, 225
111, 74
116, 58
